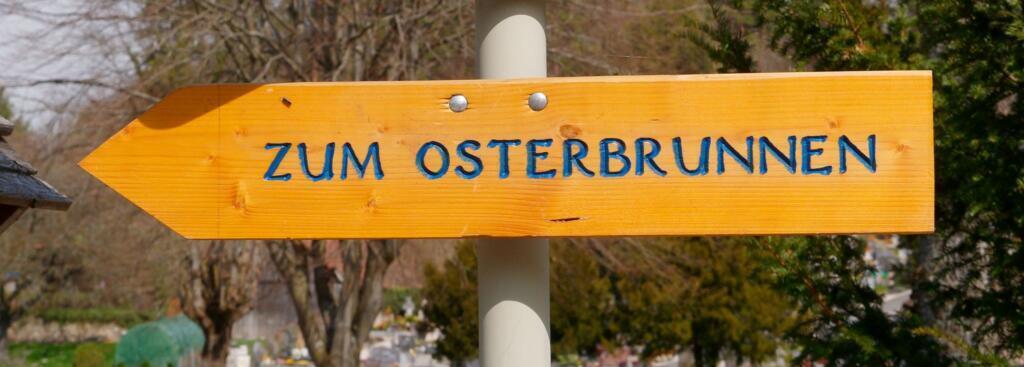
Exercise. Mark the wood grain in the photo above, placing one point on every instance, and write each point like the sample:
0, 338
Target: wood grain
196, 161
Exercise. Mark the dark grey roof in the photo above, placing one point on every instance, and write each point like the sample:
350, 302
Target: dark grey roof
18, 184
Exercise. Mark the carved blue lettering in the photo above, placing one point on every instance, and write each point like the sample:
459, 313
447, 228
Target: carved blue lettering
464, 154
441, 151
532, 156
645, 158
807, 152
503, 154
372, 155
767, 146
574, 160
702, 160
725, 148
618, 154
327, 172
271, 175
869, 162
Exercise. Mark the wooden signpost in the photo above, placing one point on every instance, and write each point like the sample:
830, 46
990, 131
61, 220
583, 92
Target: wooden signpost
790, 153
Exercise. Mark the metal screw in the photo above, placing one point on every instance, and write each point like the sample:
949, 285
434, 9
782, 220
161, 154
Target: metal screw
538, 101
458, 103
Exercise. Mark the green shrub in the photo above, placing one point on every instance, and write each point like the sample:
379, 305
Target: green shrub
120, 316
44, 354
394, 298
94, 355
64, 354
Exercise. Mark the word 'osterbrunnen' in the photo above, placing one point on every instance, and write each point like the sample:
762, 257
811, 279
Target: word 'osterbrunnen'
611, 157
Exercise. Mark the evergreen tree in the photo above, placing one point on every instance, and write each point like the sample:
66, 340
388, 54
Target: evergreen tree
842, 318
582, 302
451, 305
716, 298
581, 307
966, 278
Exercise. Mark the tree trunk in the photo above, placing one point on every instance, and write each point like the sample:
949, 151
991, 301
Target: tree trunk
218, 343
347, 300
292, 261
921, 277
6, 320
698, 355
223, 277
365, 263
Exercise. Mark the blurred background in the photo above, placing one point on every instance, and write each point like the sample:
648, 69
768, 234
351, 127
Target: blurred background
105, 284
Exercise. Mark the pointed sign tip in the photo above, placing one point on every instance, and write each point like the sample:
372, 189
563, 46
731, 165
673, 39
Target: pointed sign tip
86, 162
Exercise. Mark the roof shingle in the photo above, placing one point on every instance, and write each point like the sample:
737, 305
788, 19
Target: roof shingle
18, 184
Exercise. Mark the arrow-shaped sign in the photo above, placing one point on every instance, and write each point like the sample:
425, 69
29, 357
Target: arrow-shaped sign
662, 155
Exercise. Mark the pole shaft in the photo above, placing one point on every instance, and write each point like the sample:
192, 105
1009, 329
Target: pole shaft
510, 39
513, 274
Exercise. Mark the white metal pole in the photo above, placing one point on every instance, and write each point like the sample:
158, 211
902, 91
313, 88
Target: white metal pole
513, 274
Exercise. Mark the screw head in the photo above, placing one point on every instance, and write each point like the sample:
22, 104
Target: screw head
538, 101
458, 103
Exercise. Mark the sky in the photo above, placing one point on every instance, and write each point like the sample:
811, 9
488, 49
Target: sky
27, 44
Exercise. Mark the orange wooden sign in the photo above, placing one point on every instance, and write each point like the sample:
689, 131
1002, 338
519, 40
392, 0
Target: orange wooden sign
790, 153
